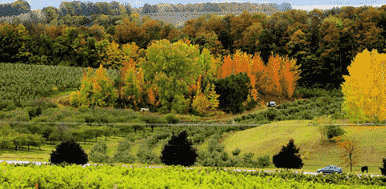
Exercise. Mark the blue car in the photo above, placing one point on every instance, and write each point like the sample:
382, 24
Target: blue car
330, 169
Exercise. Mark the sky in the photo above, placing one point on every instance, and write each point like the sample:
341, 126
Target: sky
303, 5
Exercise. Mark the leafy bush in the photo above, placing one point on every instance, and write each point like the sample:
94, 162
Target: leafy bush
7, 105
233, 91
179, 151
146, 156
271, 113
99, 153
102, 119
4, 104
83, 109
260, 117
307, 115
172, 119
34, 112
89, 119
153, 119
122, 155
251, 104
263, 161
236, 151
69, 151
334, 131
288, 157
120, 119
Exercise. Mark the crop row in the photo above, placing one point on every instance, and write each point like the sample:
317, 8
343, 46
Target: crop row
75, 176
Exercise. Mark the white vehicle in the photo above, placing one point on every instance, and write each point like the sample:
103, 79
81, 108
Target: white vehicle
271, 104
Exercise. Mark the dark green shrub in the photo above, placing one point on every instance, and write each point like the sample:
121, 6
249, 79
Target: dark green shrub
291, 111
383, 169
251, 104
264, 122
68, 151
288, 105
83, 109
271, 113
334, 131
89, 119
98, 153
284, 106
11, 107
172, 119
7, 105
263, 161
288, 157
4, 104
35, 129
233, 91
102, 119
123, 152
236, 151
34, 112
307, 115
260, 117
121, 119
146, 156
179, 151
23, 130
307, 107
59, 117
2, 115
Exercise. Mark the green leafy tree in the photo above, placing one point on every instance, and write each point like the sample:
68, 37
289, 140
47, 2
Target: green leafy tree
233, 91
171, 67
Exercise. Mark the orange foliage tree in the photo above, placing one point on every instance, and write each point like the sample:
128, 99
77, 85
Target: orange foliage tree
280, 74
351, 152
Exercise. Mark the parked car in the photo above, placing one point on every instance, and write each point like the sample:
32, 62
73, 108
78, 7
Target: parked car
271, 104
330, 169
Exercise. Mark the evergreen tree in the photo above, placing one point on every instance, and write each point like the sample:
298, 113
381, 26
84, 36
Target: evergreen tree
288, 157
179, 151
69, 151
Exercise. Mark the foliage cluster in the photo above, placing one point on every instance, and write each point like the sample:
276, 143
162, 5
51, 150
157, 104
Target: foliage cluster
363, 89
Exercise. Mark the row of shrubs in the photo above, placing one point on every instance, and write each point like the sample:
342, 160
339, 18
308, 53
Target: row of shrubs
298, 110
215, 156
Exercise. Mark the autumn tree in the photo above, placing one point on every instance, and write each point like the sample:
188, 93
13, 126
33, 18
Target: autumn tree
351, 151
363, 90
170, 67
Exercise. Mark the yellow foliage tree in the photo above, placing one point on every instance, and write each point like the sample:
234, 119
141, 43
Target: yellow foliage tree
116, 56
363, 90
201, 103
95, 90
